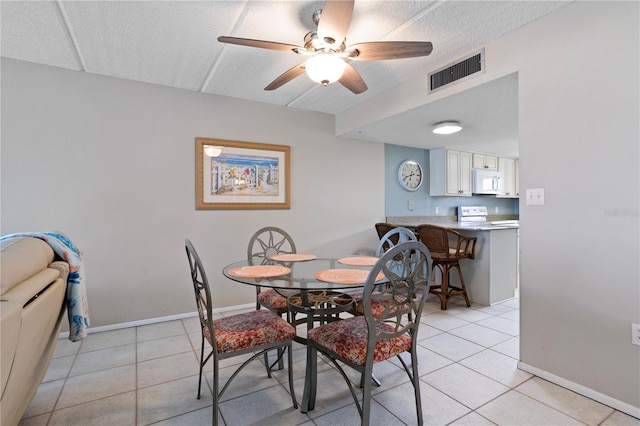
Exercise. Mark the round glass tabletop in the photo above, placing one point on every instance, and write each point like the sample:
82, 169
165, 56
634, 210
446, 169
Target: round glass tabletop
297, 275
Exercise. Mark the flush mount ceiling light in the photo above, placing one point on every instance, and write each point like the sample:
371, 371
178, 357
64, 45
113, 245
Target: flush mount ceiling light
212, 151
325, 68
447, 128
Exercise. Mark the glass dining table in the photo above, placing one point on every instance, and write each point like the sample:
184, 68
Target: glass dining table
323, 287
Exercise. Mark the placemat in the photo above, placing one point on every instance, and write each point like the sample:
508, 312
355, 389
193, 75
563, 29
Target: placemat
359, 260
259, 271
345, 276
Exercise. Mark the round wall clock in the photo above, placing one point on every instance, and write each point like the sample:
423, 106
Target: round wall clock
410, 175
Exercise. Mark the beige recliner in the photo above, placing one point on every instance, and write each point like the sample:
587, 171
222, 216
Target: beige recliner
32, 294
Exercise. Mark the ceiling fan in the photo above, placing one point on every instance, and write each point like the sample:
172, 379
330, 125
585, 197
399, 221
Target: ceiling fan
326, 49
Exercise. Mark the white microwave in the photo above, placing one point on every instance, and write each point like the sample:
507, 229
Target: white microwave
487, 182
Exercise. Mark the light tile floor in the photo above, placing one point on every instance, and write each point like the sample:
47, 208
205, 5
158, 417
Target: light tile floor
467, 359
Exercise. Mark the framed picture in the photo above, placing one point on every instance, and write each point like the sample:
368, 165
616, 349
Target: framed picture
235, 175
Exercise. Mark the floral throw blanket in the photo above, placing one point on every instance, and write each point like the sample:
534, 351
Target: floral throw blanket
76, 298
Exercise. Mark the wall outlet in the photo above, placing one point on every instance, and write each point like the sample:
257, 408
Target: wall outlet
411, 205
497, 210
437, 210
635, 334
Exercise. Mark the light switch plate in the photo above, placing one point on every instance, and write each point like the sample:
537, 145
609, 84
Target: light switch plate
535, 197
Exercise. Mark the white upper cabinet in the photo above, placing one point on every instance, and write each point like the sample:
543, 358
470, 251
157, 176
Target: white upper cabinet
450, 172
517, 178
509, 169
485, 161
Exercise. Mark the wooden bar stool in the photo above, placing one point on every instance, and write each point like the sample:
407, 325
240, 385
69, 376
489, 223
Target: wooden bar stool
447, 247
382, 228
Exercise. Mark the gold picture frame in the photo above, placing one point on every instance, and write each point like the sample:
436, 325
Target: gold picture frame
236, 175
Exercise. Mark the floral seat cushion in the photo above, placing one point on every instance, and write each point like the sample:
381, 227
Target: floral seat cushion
377, 306
273, 300
348, 339
249, 330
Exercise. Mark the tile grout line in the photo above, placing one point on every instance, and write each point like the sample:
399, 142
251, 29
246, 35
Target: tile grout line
485, 348
547, 405
64, 383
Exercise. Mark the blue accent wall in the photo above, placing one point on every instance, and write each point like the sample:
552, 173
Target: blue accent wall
397, 199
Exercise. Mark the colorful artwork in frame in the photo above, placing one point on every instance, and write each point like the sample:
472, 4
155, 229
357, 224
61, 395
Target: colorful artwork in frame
236, 175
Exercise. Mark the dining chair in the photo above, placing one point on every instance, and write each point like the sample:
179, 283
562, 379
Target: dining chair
390, 239
263, 244
361, 341
447, 247
393, 237
251, 332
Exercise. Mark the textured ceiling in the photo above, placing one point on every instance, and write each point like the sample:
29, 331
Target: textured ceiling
174, 43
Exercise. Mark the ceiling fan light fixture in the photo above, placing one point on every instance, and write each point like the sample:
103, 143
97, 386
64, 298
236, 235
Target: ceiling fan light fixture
212, 151
326, 48
447, 128
325, 68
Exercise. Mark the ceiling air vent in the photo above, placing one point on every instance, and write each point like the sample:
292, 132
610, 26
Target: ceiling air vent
466, 68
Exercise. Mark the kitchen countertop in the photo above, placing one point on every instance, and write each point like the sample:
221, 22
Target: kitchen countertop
448, 222
486, 226
492, 276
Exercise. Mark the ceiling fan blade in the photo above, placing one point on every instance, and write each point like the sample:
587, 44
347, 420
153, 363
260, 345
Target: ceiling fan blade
351, 80
261, 44
286, 77
381, 50
335, 20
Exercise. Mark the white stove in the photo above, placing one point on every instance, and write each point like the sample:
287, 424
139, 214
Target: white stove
472, 215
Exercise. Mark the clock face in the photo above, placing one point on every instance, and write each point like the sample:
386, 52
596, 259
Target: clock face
410, 175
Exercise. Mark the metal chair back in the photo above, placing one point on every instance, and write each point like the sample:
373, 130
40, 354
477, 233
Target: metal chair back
393, 237
201, 288
267, 242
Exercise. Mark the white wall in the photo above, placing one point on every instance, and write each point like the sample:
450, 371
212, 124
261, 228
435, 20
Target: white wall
578, 71
579, 140
111, 163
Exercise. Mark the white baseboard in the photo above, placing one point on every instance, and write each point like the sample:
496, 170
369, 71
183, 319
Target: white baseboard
138, 323
582, 390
